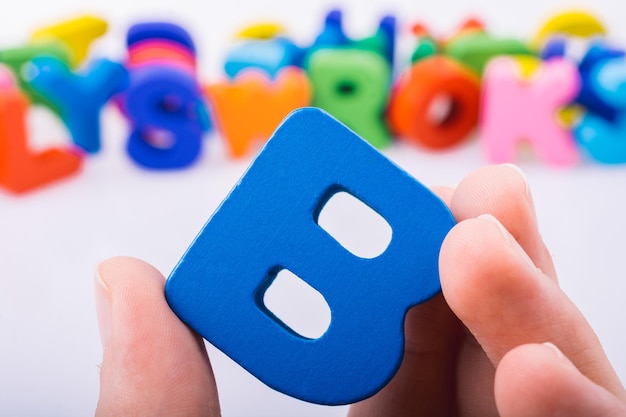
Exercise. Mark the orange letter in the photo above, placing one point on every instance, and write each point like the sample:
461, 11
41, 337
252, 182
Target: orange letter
21, 169
252, 106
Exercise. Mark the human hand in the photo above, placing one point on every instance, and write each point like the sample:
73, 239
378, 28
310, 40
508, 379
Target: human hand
478, 349
153, 365
475, 350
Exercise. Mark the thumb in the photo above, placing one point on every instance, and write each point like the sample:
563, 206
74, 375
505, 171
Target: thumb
152, 363
537, 380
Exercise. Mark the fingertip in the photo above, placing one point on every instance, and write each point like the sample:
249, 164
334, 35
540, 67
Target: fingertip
482, 191
475, 263
518, 376
128, 283
539, 380
503, 191
152, 363
121, 270
505, 301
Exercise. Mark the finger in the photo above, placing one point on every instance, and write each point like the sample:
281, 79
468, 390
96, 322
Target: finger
538, 380
474, 371
495, 289
424, 382
475, 375
502, 191
152, 363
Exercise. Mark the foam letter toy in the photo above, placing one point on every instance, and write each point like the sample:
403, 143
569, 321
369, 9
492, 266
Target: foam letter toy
164, 102
165, 107
598, 52
605, 140
260, 102
418, 89
601, 140
268, 223
22, 169
333, 36
165, 45
476, 49
263, 46
268, 55
19, 59
76, 34
161, 52
79, 97
470, 26
590, 66
262, 30
577, 23
160, 30
161, 44
426, 45
608, 79
514, 110
383, 41
353, 86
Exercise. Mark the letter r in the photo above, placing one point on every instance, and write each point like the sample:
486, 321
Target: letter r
269, 223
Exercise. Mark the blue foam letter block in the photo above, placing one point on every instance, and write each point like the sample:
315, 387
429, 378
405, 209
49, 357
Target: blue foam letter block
160, 30
165, 101
269, 223
603, 140
590, 95
79, 97
268, 55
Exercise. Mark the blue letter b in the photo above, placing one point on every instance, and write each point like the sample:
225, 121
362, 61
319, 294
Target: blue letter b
269, 223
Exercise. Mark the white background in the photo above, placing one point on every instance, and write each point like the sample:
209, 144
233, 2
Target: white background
51, 240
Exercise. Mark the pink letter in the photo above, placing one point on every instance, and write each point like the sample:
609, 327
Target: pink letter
515, 109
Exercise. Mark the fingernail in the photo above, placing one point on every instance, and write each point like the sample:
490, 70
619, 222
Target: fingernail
558, 353
511, 242
521, 174
103, 309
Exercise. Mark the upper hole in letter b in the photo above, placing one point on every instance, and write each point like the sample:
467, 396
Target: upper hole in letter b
355, 225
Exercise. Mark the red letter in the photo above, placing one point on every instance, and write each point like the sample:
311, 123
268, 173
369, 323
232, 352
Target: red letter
416, 93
